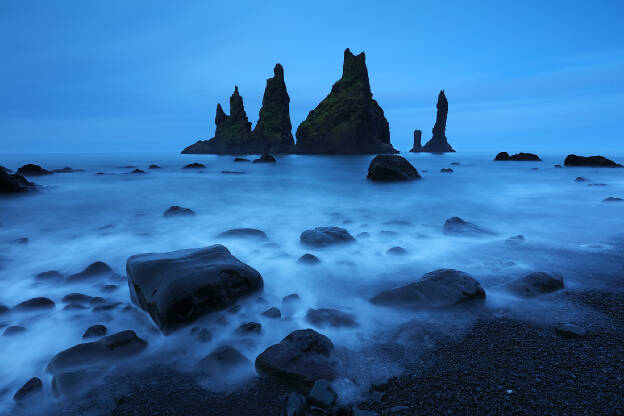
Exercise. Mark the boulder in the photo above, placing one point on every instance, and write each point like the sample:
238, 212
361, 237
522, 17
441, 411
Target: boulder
389, 168
31, 390
322, 394
195, 166
323, 318
104, 352
178, 287
580, 179
396, 251
222, 361
595, 161
502, 156
348, 120
13, 330
250, 233
12, 184
272, 313
34, 304
457, 226
265, 158
178, 211
249, 328
94, 331
308, 258
77, 298
439, 288
98, 269
438, 143
32, 170
535, 284
325, 236
154, 167
304, 356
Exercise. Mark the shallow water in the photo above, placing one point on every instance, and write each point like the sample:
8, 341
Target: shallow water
78, 218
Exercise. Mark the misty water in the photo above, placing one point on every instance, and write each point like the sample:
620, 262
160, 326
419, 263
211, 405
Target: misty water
78, 218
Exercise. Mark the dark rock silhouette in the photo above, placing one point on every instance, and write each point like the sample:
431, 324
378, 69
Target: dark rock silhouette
417, 141
387, 168
223, 360
195, 166
348, 120
97, 269
519, 157
178, 211
325, 236
249, 233
274, 130
439, 142
33, 170
535, 284
323, 318
265, 158
457, 226
38, 303
12, 184
31, 390
597, 161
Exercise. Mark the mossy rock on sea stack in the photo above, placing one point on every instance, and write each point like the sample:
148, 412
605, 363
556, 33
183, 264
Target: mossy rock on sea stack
348, 120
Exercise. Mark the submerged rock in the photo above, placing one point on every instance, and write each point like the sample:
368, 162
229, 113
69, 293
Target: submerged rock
272, 313
105, 351
250, 233
94, 331
13, 184
33, 304
330, 317
49, 275
195, 166
596, 161
178, 287
580, 179
32, 170
304, 356
77, 298
348, 120
249, 328
178, 211
137, 171
438, 143
241, 159
325, 236
612, 199
308, 259
515, 240
201, 334
446, 170
457, 226
13, 330
97, 269
31, 390
439, 288
522, 157
223, 360
387, 168
396, 251
570, 330
534, 284
265, 158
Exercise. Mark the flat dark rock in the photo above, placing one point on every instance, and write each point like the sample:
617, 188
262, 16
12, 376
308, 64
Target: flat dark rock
457, 226
323, 318
325, 236
272, 313
521, 157
396, 251
37, 303
595, 161
439, 288
178, 211
78, 298
241, 159
154, 167
535, 284
446, 170
94, 331
14, 330
250, 233
32, 170
33, 388
232, 172
195, 166
612, 199
178, 287
391, 168
265, 158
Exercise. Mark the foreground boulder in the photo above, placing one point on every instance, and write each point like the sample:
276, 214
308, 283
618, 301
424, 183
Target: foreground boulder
348, 120
535, 284
325, 236
103, 352
521, 157
178, 287
438, 143
457, 226
13, 184
303, 357
596, 161
388, 168
439, 288
33, 170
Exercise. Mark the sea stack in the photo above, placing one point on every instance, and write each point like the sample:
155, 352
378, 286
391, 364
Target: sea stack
417, 141
348, 120
439, 142
233, 132
273, 131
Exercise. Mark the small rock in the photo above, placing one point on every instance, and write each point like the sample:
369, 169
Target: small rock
330, 317
138, 171
322, 394
458, 226
154, 167
272, 313
396, 251
222, 361
580, 179
446, 170
232, 172
194, 166
265, 158
308, 259
363, 234
534, 284
178, 211
32, 388
38, 303
397, 409
292, 298
515, 240
569, 330
13, 330
249, 328
78, 298
251, 233
325, 236
94, 331
49, 275
22, 240
97, 269
109, 288
612, 199
241, 159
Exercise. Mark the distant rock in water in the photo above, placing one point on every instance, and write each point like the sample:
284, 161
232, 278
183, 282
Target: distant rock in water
520, 157
33, 170
597, 161
325, 236
178, 211
154, 167
438, 143
137, 171
265, 158
446, 170
417, 141
13, 184
97, 269
195, 166
241, 159
613, 199
387, 168
348, 120
67, 169
250, 233
457, 226
273, 132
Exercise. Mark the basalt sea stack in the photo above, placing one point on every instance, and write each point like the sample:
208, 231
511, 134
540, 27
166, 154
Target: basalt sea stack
439, 142
348, 120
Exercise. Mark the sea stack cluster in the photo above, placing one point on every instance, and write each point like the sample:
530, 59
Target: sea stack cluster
438, 143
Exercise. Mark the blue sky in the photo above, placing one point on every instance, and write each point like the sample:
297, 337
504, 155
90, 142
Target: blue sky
99, 76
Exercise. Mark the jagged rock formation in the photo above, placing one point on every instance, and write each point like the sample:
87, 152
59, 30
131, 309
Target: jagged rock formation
273, 132
274, 129
417, 141
348, 120
439, 142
